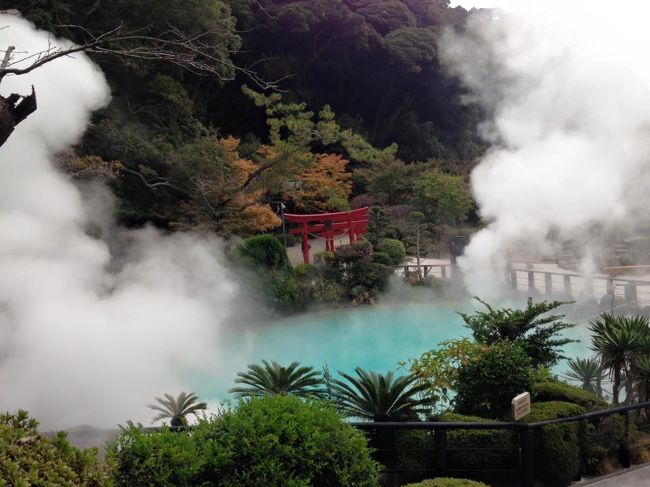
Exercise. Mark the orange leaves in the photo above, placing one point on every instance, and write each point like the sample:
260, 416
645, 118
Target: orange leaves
324, 185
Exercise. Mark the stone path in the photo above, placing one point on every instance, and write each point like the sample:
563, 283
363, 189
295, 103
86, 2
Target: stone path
635, 477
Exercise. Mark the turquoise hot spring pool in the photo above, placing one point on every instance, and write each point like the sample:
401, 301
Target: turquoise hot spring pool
375, 338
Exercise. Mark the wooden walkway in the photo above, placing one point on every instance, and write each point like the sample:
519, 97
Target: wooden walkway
554, 282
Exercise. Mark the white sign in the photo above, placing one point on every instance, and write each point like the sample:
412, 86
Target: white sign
521, 406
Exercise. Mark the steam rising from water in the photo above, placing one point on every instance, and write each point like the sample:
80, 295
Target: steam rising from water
566, 88
80, 344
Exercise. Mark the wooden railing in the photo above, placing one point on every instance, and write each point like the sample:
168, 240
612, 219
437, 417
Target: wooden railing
561, 284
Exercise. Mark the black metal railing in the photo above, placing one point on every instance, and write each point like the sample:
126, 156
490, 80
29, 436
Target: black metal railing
523, 445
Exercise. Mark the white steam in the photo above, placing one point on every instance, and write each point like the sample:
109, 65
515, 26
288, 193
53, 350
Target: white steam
565, 85
79, 343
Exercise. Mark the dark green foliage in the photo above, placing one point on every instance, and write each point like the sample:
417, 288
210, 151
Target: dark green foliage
378, 397
620, 341
275, 379
487, 384
447, 482
382, 258
588, 372
532, 328
557, 457
287, 293
287, 239
273, 441
177, 408
351, 267
483, 449
558, 391
264, 251
394, 248
29, 459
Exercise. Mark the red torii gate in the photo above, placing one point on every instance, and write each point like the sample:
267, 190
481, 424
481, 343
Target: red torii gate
354, 223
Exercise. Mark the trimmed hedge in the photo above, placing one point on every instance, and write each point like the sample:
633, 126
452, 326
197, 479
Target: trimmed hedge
557, 454
499, 447
447, 482
393, 248
382, 258
264, 251
559, 391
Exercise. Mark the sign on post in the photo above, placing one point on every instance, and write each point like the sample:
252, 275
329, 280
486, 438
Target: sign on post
521, 406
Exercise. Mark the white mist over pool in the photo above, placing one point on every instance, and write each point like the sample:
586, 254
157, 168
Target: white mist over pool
565, 85
80, 344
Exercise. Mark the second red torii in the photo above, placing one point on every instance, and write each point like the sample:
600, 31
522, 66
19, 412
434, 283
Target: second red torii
354, 222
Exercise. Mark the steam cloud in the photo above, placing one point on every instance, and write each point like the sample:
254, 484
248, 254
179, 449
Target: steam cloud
79, 343
565, 86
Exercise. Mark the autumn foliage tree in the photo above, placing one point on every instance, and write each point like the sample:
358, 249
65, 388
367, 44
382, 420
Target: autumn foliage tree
324, 185
212, 176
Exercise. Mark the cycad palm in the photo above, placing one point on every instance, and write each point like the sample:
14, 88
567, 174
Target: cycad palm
589, 372
643, 376
273, 378
379, 397
616, 339
177, 408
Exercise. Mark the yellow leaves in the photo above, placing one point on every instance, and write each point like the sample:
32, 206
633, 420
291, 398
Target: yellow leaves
439, 367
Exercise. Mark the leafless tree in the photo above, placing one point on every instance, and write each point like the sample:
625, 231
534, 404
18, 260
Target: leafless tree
198, 53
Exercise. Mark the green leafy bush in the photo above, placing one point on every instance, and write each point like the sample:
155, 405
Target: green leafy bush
393, 248
287, 292
263, 251
447, 482
486, 385
479, 449
382, 258
30, 459
275, 440
163, 458
559, 391
304, 271
556, 458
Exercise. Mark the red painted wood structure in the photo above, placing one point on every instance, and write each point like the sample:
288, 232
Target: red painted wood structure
328, 226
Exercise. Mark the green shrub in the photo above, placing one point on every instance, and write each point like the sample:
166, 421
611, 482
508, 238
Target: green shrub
303, 271
559, 391
486, 385
28, 458
447, 482
287, 293
284, 441
287, 238
327, 292
275, 440
163, 458
393, 248
382, 258
263, 251
557, 455
479, 449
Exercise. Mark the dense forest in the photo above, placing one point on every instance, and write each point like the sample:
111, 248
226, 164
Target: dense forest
320, 104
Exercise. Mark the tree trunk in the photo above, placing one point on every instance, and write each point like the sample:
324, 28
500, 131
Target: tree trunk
616, 386
13, 110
